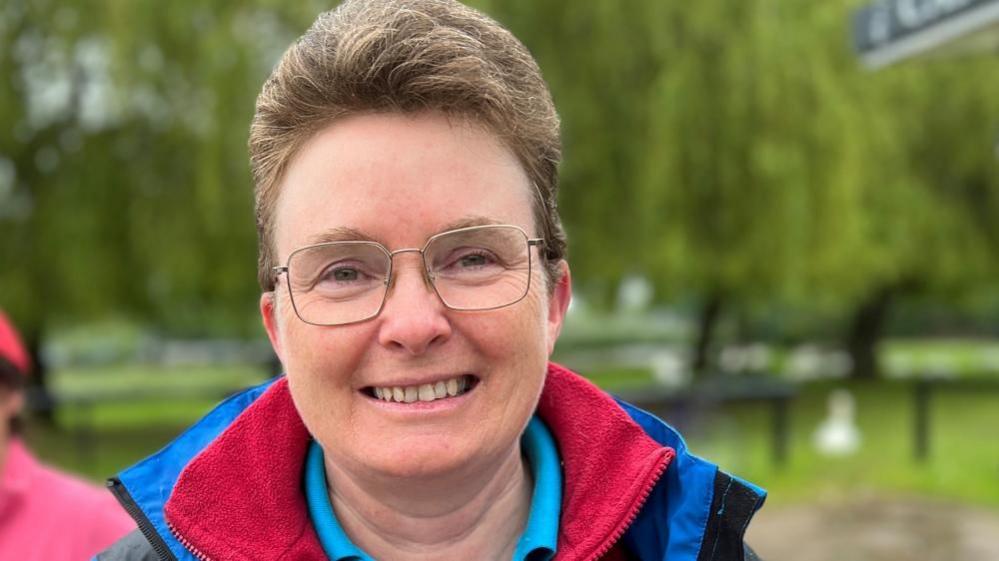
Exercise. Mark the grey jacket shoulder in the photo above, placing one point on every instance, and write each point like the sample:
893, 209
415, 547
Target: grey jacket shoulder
750, 554
133, 547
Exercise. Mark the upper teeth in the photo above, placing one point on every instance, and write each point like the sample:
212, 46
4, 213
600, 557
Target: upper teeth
424, 392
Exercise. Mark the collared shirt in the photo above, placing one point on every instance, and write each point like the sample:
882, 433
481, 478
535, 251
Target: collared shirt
537, 543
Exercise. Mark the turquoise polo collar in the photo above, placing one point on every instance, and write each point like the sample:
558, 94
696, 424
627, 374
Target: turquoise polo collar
538, 542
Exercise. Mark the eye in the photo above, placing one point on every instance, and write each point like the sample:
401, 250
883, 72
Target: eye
344, 274
473, 260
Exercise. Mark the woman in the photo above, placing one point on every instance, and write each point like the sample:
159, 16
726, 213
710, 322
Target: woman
37, 501
414, 284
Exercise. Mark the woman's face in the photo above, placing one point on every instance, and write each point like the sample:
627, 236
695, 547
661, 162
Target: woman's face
398, 180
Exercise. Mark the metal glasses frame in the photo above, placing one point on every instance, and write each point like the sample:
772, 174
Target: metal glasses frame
427, 275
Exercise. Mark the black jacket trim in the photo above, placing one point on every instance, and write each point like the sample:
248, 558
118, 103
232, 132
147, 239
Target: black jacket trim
145, 528
732, 507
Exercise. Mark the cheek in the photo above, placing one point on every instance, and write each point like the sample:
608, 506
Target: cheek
320, 362
514, 334
317, 356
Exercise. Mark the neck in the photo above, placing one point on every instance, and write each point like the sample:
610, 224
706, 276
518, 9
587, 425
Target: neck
477, 513
6, 440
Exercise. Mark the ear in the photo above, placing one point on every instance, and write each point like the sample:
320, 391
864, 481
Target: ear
558, 304
268, 313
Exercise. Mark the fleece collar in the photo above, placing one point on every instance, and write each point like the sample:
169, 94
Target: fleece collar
240, 499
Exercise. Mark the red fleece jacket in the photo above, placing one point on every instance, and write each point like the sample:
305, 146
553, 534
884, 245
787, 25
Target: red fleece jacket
241, 498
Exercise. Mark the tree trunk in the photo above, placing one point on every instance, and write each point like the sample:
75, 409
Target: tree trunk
707, 323
866, 330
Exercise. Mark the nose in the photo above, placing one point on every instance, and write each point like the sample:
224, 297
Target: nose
413, 318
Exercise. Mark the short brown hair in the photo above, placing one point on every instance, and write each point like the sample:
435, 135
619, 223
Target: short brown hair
406, 56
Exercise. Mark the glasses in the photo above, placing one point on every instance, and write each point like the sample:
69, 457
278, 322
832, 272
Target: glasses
471, 269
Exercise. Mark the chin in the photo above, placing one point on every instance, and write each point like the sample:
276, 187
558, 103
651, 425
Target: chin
415, 465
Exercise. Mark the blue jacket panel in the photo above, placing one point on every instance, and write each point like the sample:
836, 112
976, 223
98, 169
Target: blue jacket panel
695, 512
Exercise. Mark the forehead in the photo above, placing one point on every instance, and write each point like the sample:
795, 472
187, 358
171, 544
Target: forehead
399, 179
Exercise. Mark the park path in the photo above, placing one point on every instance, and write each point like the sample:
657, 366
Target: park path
876, 529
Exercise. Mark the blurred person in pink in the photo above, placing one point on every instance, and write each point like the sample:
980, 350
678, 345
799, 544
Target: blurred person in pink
44, 514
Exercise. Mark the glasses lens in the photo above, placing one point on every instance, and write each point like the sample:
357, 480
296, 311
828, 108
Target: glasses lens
480, 268
338, 282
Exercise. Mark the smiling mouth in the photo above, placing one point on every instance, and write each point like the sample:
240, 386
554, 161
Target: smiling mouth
443, 389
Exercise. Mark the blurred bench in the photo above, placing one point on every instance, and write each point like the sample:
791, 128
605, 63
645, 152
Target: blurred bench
684, 406
922, 397
82, 406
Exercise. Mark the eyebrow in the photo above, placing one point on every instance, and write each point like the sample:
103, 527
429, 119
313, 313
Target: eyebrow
470, 221
341, 234
344, 234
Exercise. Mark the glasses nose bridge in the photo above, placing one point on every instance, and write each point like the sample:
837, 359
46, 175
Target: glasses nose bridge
427, 277
392, 254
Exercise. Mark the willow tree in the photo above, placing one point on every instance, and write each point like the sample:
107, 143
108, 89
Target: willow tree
738, 154
126, 185
753, 175
705, 144
930, 219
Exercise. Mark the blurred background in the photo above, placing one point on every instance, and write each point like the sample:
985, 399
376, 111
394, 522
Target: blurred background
783, 220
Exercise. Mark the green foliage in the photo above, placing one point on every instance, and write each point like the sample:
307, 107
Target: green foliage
130, 192
722, 149
740, 149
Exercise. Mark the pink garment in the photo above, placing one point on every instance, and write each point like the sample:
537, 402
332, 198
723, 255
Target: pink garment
46, 515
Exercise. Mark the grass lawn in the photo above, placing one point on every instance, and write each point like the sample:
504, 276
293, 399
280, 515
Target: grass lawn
150, 379
963, 465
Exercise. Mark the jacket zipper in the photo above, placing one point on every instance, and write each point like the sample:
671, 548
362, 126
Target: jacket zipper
198, 554
635, 509
145, 526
